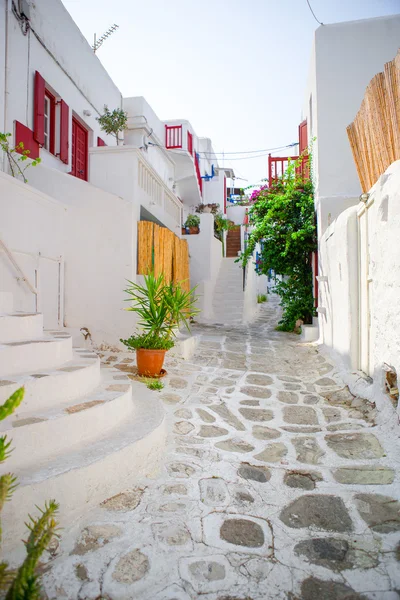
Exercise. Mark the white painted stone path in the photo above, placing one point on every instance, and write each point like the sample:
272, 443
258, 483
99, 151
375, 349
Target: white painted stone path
277, 484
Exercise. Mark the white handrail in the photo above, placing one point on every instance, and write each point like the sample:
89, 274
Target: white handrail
18, 268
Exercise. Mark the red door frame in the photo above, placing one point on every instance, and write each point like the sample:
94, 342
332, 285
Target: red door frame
78, 169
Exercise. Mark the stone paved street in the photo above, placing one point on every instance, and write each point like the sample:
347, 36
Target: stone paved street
277, 484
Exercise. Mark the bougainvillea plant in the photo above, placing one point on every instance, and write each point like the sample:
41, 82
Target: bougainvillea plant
283, 220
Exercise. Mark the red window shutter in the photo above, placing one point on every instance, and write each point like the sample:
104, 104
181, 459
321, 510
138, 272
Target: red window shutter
64, 131
38, 109
101, 142
25, 135
303, 136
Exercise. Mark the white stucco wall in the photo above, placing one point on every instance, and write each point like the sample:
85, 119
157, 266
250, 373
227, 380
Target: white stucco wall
205, 253
250, 305
344, 58
236, 213
57, 49
99, 240
32, 227
384, 270
338, 287
359, 306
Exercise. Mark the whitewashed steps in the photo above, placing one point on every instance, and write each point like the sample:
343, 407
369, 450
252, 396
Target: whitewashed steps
40, 353
18, 326
228, 299
85, 477
46, 388
43, 435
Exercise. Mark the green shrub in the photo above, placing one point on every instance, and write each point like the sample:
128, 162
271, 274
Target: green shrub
261, 298
162, 308
155, 384
283, 220
24, 583
192, 221
148, 342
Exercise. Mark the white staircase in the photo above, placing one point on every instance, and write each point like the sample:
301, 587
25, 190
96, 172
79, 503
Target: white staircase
79, 436
228, 300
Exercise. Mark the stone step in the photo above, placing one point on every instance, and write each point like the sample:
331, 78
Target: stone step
15, 327
47, 388
45, 434
81, 479
45, 352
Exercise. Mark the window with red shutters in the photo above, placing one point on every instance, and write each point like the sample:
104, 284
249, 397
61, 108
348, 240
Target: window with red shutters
39, 104
49, 122
303, 137
25, 135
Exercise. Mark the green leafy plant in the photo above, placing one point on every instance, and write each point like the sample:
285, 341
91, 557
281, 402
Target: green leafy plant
192, 221
261, 298
112, 122
154, 384
283, 220
17, 157
23, 583
161, 307
148, 342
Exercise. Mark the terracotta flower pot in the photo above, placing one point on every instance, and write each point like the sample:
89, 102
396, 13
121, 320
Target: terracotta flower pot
193, 230
183, 230
149, 362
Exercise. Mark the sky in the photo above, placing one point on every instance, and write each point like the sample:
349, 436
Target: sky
236, 69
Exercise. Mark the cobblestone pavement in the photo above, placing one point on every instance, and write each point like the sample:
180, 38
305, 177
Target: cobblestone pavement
277, 484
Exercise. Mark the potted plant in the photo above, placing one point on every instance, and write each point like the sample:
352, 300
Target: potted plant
192, 223
113, 122
162, 307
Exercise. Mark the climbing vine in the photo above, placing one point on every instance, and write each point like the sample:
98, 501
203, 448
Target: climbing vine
283, 223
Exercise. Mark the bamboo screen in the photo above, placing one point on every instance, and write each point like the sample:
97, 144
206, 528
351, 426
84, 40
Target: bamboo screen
374, 134
145, 247
162, 251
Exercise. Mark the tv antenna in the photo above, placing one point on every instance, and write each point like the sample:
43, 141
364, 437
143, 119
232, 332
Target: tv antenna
98, 42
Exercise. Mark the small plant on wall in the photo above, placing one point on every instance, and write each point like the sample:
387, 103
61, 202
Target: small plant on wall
113, 122
192, 223
17, 157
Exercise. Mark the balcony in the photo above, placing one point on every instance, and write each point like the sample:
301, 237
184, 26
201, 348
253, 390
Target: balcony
182, 144
124, 171
277, 166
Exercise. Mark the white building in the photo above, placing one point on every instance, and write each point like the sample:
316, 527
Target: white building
82, 233
344, 58
358, 283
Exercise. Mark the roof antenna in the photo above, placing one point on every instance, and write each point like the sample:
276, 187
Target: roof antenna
98, 42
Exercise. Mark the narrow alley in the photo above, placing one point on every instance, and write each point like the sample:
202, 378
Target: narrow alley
276, 484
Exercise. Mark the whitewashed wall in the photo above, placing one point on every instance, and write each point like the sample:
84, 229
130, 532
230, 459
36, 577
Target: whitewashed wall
32, 227
344, 58
205, 253
338, 287
57, 49
99, 240
344, 329
384, 269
